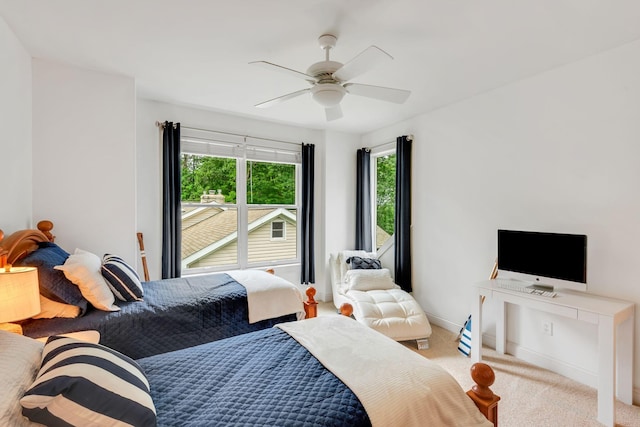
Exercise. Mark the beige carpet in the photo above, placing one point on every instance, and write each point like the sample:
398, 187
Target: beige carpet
530, 396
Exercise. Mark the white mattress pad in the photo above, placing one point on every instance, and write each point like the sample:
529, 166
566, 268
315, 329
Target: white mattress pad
392, 312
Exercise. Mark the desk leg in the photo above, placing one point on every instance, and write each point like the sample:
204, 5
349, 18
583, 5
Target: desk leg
501, 335
476, 328
606, 371
624, 360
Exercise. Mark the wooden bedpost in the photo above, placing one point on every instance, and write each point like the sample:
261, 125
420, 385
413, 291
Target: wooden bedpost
481, 394
3, 253
46, 226
310, 305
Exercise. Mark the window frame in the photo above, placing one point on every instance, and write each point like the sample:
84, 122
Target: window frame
244, 149
282, 230
379, 151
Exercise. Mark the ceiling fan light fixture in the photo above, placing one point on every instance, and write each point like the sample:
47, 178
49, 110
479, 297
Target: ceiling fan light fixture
328, 94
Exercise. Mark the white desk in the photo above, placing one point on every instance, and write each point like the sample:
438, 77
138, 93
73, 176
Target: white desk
615, 320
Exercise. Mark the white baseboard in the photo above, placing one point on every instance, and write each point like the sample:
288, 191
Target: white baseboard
535, 358
559, 367
544, 361
444, 324
321, 296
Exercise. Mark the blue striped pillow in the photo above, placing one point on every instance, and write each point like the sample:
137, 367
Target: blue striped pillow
81, 383
122, 279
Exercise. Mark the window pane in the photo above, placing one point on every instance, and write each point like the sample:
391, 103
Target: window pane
271, 183
262, 247
203, 175
209, 236
385, 198
213, 214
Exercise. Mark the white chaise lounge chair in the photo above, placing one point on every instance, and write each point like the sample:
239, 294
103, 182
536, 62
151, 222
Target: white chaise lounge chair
377, 301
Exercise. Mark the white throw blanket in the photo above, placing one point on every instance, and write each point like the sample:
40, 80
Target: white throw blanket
396, 386
268, 295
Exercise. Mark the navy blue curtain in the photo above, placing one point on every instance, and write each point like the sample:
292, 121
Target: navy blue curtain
171, 211
363, 200
307, 256
403, 214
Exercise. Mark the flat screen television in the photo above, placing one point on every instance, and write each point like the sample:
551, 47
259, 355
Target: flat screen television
545, 259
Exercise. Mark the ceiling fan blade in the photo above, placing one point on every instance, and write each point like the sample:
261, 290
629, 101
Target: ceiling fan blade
364, 61
282, 98
397, 96
282, 69
333, 113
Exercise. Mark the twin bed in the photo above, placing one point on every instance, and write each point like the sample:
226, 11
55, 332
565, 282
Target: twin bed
172, 313
324, 371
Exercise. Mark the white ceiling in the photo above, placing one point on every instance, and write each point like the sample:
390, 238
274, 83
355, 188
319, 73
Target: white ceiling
196, 52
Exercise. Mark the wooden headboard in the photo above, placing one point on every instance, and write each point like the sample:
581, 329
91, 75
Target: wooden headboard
3, 253
22, 242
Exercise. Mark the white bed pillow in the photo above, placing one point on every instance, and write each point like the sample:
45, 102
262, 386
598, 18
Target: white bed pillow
19, 363
50, 309
84, 270
369, 280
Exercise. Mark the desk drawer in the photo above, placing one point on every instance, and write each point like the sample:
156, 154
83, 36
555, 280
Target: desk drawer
538, 303
588, 316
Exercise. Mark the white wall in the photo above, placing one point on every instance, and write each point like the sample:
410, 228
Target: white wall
84, 157
557, 152
15, 142
149, 174
338, 217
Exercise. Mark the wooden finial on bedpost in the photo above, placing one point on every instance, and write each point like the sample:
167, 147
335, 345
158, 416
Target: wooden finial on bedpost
310, 305
346, 309
46, 226
481, 394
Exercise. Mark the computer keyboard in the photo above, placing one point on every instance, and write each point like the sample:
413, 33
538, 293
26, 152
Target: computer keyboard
514, 285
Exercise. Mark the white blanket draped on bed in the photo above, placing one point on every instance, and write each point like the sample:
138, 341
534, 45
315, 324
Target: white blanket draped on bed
396, 386
268, 295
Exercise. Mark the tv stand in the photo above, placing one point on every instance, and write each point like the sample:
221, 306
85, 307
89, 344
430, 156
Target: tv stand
615, 320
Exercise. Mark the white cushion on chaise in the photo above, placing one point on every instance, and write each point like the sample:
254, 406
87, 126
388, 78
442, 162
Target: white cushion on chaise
390, 311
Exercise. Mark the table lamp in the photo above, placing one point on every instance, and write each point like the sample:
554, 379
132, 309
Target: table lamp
19, 296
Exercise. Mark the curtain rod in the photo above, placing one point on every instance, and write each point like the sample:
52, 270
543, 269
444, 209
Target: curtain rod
161, 125
409, 137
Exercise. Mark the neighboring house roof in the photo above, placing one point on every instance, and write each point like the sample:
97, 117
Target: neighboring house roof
381, 236
208, 229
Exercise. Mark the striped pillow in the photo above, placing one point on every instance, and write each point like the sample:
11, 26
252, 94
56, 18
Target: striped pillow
121, 278
81, 383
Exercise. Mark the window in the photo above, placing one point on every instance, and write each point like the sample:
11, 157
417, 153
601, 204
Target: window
277, 230
384, 188
240, 202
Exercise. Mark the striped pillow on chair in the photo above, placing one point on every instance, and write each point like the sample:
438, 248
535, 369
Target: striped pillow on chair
121, 278
81, 384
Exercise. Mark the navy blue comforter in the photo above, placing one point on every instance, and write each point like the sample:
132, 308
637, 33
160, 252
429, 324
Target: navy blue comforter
263, 378
175, 313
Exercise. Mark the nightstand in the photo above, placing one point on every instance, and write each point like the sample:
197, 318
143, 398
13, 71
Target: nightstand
89, 336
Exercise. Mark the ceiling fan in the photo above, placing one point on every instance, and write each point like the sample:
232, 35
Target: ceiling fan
330, 80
